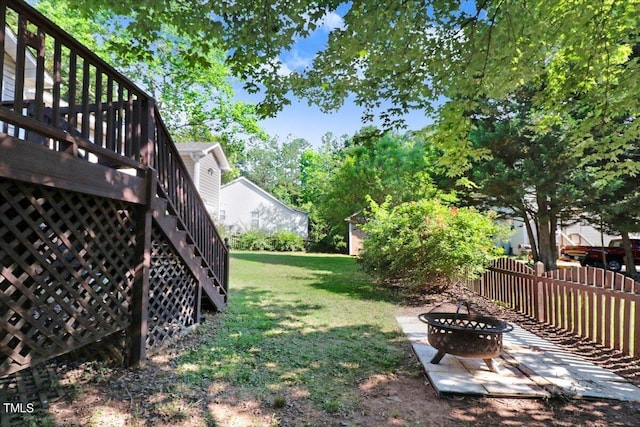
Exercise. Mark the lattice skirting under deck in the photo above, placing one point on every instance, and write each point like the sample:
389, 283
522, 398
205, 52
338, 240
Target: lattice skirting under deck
173, 294
66, 277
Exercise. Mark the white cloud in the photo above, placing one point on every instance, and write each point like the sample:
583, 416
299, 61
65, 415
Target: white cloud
295, 61
275, 64
331, 21
283, 69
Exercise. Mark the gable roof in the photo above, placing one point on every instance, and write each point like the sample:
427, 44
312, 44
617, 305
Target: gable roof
252, 185
203, 149
358, 218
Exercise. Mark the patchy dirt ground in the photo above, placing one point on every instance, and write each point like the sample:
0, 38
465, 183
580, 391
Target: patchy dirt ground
149, 395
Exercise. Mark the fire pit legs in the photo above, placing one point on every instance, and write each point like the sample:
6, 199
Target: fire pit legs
489, 362
438, 357
492, 367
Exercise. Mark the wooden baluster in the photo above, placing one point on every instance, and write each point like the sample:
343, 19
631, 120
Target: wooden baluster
98, 123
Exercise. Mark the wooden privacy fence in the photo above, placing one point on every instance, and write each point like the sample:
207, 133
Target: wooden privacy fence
590, 302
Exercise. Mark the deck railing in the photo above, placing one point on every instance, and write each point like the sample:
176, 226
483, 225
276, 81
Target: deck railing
185, 202
54, 86
67, 98
61, 102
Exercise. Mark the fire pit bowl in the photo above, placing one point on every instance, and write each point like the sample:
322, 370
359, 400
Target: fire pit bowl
465, 335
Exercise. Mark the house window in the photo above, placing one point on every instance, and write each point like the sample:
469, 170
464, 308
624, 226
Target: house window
255, 219
223, 215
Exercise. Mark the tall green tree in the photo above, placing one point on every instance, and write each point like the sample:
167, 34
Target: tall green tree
613, 206
529, 169
275, 166
410, 54
395, 166
195, 94
317, 169
318, 165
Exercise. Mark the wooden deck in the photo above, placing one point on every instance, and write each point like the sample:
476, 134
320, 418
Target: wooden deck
102, 233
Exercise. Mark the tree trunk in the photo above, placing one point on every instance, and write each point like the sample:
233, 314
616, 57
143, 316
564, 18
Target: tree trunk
530, 234
604, 250
546, 235
553, 240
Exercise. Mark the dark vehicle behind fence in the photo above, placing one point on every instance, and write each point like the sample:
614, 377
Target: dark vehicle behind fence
594, 255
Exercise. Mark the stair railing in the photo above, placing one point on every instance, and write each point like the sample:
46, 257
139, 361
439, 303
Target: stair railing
176, 185
59, 94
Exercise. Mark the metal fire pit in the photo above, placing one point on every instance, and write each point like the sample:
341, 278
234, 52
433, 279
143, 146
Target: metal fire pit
465, 335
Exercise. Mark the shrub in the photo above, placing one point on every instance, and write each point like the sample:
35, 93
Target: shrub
260, 240
427, 244
286, 241
253, 240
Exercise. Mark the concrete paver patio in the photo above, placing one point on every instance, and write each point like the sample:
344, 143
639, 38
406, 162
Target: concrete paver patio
529, 367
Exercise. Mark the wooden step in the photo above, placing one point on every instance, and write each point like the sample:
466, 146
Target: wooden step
160, 206
187, 250
169, 222
214, 295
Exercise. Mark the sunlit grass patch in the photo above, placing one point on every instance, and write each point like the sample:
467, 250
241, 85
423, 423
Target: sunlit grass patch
306, 324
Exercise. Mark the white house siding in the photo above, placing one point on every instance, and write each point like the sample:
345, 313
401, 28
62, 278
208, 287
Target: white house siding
189, 163
210, 184
8, 78
205, 163
9, 87
9, 71
243, 206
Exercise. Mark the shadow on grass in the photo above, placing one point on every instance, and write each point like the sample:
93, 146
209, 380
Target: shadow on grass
274, 351
267, 361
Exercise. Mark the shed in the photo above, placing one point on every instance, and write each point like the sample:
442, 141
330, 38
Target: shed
356, 236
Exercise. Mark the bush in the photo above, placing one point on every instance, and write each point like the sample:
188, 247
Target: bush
260, 240
253, 240
427, 244
286, 241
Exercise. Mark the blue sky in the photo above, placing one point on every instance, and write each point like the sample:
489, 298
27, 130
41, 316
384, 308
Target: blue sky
299, 120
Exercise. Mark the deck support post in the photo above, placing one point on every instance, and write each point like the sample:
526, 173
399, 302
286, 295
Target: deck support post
225, 275
146, 148
140, 298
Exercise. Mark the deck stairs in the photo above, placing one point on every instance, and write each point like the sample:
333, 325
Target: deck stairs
187, 249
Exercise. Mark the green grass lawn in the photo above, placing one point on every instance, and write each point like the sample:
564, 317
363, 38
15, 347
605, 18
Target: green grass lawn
308, 322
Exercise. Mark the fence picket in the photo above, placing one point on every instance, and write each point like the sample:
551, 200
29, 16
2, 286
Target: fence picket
626, 332
600, 305
616, 323
635, 352
575, 309
545, 303
585, 304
